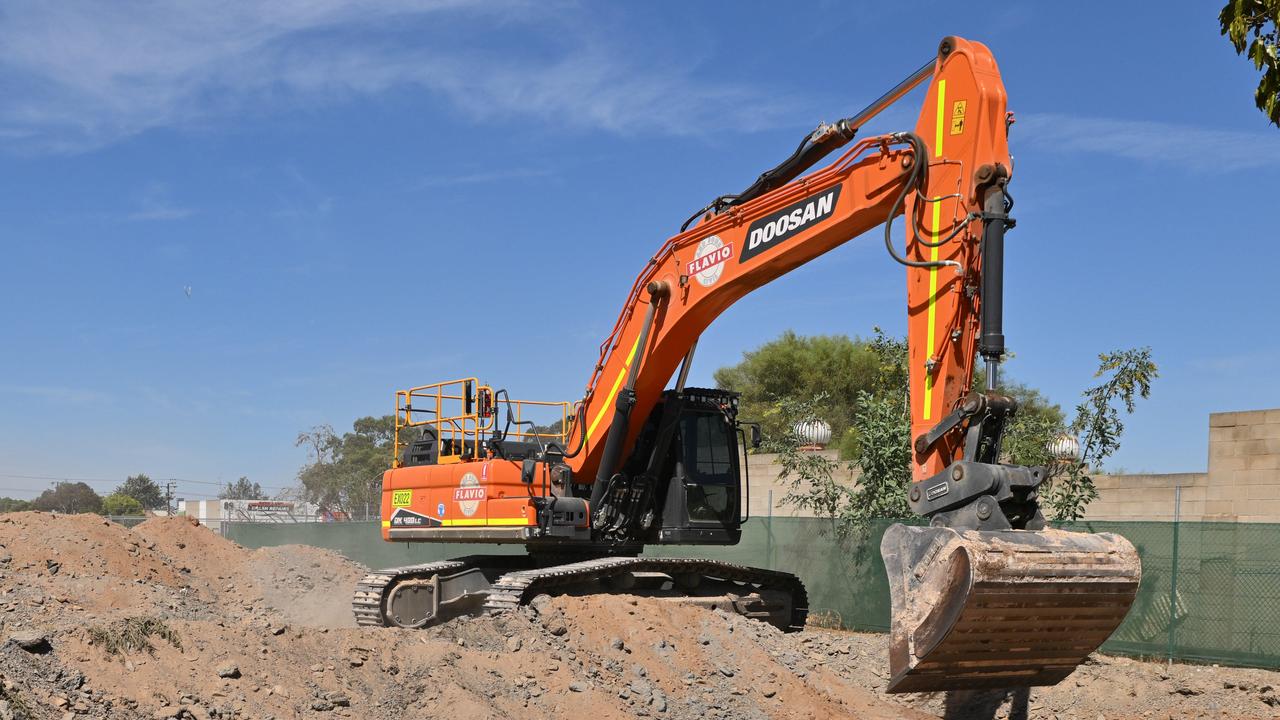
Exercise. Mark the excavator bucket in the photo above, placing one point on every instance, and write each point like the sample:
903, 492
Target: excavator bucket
1000, 609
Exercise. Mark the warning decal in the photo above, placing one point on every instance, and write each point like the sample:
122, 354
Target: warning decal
957, 116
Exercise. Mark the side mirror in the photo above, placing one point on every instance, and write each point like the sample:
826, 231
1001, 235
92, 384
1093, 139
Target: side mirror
486, 402
756, 437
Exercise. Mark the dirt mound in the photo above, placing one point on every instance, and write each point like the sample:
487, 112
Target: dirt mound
207, 555
172, 620
82, 563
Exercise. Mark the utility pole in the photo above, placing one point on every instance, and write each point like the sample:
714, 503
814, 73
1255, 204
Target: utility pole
169, 488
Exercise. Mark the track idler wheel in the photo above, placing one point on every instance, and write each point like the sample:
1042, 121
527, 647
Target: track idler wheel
413, 603
1001, 609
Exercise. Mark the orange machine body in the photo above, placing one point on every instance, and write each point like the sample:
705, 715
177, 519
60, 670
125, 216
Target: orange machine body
482, 493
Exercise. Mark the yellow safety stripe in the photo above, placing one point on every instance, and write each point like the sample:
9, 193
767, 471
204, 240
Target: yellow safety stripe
613, 392
942, 105
475, 521
483, 521
933, 255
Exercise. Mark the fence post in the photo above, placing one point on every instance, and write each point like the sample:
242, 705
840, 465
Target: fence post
1173, 583
768, 551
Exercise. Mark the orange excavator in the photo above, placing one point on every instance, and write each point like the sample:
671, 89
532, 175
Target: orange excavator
983, 596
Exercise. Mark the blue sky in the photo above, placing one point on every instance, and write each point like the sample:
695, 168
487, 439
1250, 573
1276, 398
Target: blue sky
364, 196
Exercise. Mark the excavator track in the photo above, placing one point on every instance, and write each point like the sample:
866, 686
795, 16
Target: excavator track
1000, 609
367, 602
517, 588
515, 585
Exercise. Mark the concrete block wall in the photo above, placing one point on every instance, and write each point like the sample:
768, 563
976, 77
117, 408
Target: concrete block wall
1242, 482
767, 490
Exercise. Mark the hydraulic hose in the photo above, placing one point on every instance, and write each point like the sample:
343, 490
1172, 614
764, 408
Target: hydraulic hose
917, 177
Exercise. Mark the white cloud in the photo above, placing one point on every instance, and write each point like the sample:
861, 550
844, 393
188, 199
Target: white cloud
83, 74
1159, 143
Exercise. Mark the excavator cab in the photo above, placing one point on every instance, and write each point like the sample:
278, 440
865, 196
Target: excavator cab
703, 504
683, 483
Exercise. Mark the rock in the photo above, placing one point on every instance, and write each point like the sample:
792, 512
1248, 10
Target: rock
540, 603
321, 705
617, 644
31, 641
230, 672
1187, 690
557, 627
769, 691
166, 712
339, 699
514, 643
577, 686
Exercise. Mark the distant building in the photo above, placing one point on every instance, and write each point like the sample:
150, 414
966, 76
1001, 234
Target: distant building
214, 512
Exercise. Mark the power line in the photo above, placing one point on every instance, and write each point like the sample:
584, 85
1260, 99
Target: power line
118, 481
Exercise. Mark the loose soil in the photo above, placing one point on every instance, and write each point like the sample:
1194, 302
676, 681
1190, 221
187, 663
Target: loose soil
268, 634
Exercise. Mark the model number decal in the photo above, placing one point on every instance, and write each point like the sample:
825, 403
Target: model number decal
401, 498
937, 491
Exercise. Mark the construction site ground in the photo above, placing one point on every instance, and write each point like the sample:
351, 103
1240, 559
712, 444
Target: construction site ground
235, 633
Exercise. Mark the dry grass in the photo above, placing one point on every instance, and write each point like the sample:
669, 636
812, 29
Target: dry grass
133, 635
825, 620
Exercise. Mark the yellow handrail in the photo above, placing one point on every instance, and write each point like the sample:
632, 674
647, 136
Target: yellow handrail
463, 413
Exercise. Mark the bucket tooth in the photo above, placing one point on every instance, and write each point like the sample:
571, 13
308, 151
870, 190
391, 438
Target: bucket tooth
998, 609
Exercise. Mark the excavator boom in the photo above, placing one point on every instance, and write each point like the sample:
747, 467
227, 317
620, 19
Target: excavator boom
984, 597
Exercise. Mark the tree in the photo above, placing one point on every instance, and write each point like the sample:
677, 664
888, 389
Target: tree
144, 490
241, 489
1253, 26
69, 498
8, 504
1097, 424
877, 445
345, 472
834, 367
119, 504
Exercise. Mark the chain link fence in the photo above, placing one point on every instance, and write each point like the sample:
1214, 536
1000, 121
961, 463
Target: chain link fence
1210, 591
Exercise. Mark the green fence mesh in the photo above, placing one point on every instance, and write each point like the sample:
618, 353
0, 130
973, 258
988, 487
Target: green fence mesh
1210, 591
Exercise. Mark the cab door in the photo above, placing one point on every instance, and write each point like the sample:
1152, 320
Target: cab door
703, 501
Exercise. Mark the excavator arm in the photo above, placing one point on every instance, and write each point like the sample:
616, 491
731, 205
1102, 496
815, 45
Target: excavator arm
939, 176
986, 596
